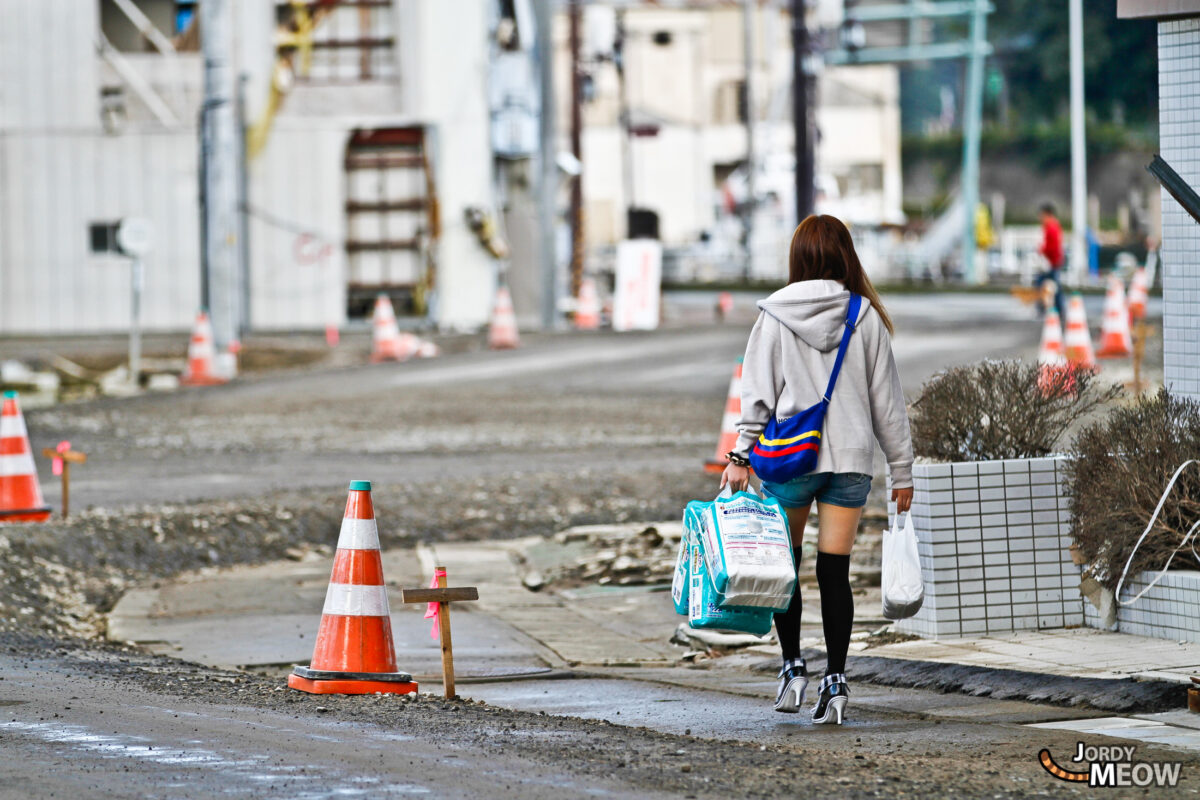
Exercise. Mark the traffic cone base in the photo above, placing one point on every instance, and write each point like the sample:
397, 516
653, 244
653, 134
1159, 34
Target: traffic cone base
20, 494
354, 653
367, 684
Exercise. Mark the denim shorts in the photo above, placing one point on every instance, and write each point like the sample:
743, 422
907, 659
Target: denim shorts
845, 489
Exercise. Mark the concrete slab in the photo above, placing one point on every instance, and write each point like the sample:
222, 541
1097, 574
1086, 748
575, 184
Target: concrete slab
1074, 652
1150, 731
267, 616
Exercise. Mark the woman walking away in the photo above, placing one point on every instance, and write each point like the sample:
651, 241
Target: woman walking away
792, 360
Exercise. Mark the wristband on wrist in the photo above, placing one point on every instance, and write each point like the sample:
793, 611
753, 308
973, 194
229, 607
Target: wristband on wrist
736, 459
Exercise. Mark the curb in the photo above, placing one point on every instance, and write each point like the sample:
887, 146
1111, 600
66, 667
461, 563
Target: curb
1103, 694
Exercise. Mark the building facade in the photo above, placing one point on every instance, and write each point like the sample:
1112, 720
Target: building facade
367, 127
1179, 145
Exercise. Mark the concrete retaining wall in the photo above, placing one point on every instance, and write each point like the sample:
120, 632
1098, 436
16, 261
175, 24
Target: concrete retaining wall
994, 546
1171, 610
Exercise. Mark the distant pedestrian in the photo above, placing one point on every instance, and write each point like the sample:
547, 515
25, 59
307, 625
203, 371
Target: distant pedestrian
788, 362
1052, 250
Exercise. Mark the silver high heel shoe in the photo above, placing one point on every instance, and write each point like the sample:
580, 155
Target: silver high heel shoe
793, 683
831, 700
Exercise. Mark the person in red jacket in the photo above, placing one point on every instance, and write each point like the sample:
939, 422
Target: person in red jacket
1052, 250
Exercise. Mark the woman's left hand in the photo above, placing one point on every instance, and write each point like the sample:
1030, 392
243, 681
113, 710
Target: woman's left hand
738, 478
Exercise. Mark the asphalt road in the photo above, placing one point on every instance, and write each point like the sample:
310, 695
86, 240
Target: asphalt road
649, 400
504, 435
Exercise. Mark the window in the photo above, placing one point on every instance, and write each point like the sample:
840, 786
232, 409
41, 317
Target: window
342, 42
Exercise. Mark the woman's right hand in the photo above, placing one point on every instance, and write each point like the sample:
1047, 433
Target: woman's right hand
737, 478
903, 499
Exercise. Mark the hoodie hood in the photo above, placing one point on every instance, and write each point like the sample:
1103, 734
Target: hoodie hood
813, 310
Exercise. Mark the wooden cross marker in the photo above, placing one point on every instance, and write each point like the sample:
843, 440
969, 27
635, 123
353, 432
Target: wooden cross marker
443, 597
63, 455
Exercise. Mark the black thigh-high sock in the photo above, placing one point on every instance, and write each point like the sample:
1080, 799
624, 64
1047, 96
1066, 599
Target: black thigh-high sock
837, 608
787, 623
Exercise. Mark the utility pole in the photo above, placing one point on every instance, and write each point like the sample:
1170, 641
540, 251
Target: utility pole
972, 127
548, 167
1079, 254
620, 51
577, 243
219, 160
803, 91
751, 161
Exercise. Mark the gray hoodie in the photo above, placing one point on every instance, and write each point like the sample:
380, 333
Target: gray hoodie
790, 355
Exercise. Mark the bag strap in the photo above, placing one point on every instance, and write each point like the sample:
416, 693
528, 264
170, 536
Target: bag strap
851, 320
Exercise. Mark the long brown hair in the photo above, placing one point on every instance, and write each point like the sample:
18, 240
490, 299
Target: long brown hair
823, 250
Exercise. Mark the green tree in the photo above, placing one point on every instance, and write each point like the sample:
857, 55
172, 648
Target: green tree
1032, 44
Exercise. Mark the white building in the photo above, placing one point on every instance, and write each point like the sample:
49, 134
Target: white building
685, 71
375, 126
1179, 142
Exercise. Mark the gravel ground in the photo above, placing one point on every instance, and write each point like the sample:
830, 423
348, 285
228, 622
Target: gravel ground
633, 761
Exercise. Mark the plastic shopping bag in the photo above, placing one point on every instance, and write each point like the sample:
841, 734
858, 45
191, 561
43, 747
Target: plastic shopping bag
681, 582
705, 610
903, 588
748, 551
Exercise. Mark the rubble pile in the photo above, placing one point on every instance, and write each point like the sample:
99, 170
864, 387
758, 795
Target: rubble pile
620, 555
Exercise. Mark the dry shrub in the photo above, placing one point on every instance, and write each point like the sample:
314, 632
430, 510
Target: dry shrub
1122, 465
1001, 409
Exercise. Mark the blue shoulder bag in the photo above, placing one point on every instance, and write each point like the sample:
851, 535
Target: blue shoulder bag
788, 448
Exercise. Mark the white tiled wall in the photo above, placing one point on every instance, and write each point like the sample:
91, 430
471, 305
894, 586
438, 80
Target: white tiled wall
993, 537
1170, 610
1179, 144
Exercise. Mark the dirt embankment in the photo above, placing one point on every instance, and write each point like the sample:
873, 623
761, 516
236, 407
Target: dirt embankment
61, 577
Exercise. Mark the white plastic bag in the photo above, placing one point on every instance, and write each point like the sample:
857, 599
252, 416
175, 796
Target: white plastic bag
903, 589
747, 551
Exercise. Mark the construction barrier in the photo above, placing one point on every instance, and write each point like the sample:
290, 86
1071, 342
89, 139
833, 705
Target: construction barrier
354, 653
20, 494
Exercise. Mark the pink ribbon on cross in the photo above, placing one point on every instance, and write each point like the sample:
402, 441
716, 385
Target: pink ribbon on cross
56, 466
431, 611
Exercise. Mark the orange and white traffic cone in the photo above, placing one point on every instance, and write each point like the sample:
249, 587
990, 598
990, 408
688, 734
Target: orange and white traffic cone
1050, 353
1139, 293
729, 434
724, 305
587, 312
1053, 372
1078, 340
502, 333
20, 494
1115, 338
202, 356
385, 333
354, 653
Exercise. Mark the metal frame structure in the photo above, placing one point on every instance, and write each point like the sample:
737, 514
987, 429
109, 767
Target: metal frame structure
975, 49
